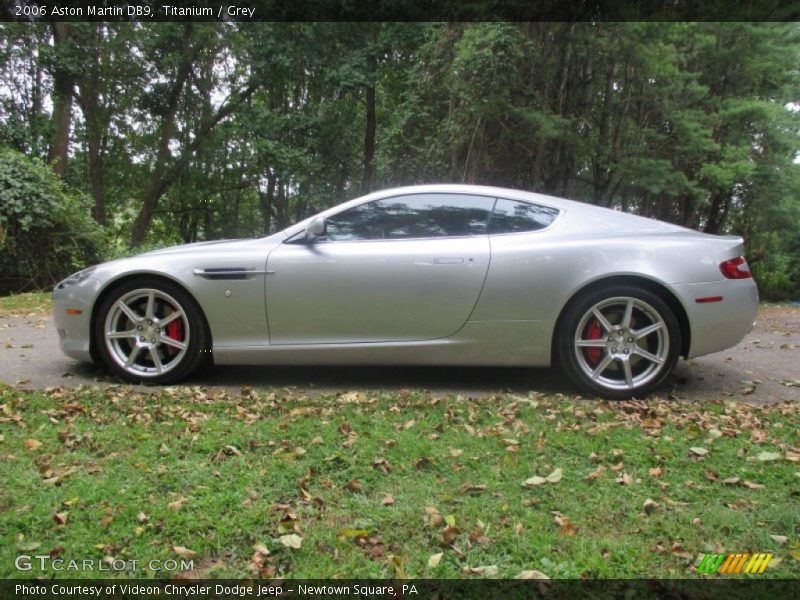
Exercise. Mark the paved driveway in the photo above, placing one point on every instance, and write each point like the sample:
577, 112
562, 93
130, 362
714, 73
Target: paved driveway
764, 368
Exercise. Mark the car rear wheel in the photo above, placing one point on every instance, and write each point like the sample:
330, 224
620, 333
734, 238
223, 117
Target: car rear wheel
150, 331
619, 342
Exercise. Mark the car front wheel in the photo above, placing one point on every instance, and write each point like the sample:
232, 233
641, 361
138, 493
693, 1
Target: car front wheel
150, 332
619, 342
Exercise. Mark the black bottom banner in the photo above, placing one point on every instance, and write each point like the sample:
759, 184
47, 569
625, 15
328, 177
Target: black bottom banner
427, 589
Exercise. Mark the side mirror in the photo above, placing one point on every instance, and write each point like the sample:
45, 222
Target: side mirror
315, 229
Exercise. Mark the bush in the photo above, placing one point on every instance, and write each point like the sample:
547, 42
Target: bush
46, 231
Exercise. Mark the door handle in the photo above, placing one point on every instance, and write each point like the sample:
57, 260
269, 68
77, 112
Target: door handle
448, 261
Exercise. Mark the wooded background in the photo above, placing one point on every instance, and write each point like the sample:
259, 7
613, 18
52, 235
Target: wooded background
116, 137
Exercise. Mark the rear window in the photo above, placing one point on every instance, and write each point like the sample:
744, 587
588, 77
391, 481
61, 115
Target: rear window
514, 216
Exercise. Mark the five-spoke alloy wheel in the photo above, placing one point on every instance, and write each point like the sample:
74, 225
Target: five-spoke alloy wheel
619, 342
150, 331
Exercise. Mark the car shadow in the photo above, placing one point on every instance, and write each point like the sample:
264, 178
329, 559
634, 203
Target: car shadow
468, 381
445, 380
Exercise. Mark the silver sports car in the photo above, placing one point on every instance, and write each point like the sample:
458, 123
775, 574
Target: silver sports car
425, 275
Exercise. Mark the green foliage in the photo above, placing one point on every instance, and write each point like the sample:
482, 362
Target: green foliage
45, 229
691, 123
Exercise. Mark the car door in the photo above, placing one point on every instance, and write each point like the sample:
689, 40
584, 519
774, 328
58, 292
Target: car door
402, 268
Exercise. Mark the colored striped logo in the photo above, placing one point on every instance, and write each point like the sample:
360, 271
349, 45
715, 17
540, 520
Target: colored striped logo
730, 564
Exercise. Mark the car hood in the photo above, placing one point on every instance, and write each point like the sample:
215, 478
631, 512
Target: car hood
218, 245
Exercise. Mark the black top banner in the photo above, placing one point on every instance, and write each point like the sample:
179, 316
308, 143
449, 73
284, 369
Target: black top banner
400, 10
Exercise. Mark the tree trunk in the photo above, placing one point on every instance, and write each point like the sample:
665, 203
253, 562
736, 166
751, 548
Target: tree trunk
63, 92
369, 142
267, 200
89, 100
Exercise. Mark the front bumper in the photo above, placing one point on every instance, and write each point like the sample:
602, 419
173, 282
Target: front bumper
72, 313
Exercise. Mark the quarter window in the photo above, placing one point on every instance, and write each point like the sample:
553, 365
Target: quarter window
413, 216
512, 216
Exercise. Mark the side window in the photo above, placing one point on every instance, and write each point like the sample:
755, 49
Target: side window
512, 216
413, 216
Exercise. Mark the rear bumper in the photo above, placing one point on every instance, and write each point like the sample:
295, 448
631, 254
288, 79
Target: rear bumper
716, 326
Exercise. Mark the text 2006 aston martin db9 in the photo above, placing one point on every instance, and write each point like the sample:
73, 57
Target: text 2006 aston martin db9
433, 275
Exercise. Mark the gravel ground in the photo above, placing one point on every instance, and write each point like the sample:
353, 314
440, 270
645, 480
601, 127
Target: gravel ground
764, 368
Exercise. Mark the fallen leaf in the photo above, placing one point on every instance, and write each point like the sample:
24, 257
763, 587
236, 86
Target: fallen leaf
768, 456
261, 549
32, 444
354, 485
751, 485
596, 473
656, 472
565, 526
388, 500
184, 552
142, 518
349, 533
28, 546
487, 571
473, 487
534, 481
433, 516
433, 560
781, 539
731, 481
532, 574
624, 479
649, 506
555, 476
678, 550
455, 452
177, 504
291, 541
698, 451
61, 518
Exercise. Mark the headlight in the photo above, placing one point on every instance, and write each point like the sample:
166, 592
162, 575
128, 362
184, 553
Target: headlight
75, 278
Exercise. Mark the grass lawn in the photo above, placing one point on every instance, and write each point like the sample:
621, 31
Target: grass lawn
358, 484
21, 305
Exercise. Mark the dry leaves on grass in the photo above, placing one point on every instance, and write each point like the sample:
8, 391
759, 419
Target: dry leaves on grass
184, 552
565, 525
649, 506
536, 480
532, 574
485, 571
177, 504
291, 540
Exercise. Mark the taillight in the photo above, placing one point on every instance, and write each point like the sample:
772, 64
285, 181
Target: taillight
735, 268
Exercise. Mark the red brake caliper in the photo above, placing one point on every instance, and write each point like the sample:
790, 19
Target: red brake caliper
593, 332
175, 331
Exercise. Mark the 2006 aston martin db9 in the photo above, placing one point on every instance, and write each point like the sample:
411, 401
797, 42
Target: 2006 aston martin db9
424, 275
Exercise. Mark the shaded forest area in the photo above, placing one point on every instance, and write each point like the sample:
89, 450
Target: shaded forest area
119, 137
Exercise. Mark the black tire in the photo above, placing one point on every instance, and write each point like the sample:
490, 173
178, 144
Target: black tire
161, 338
594, 358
